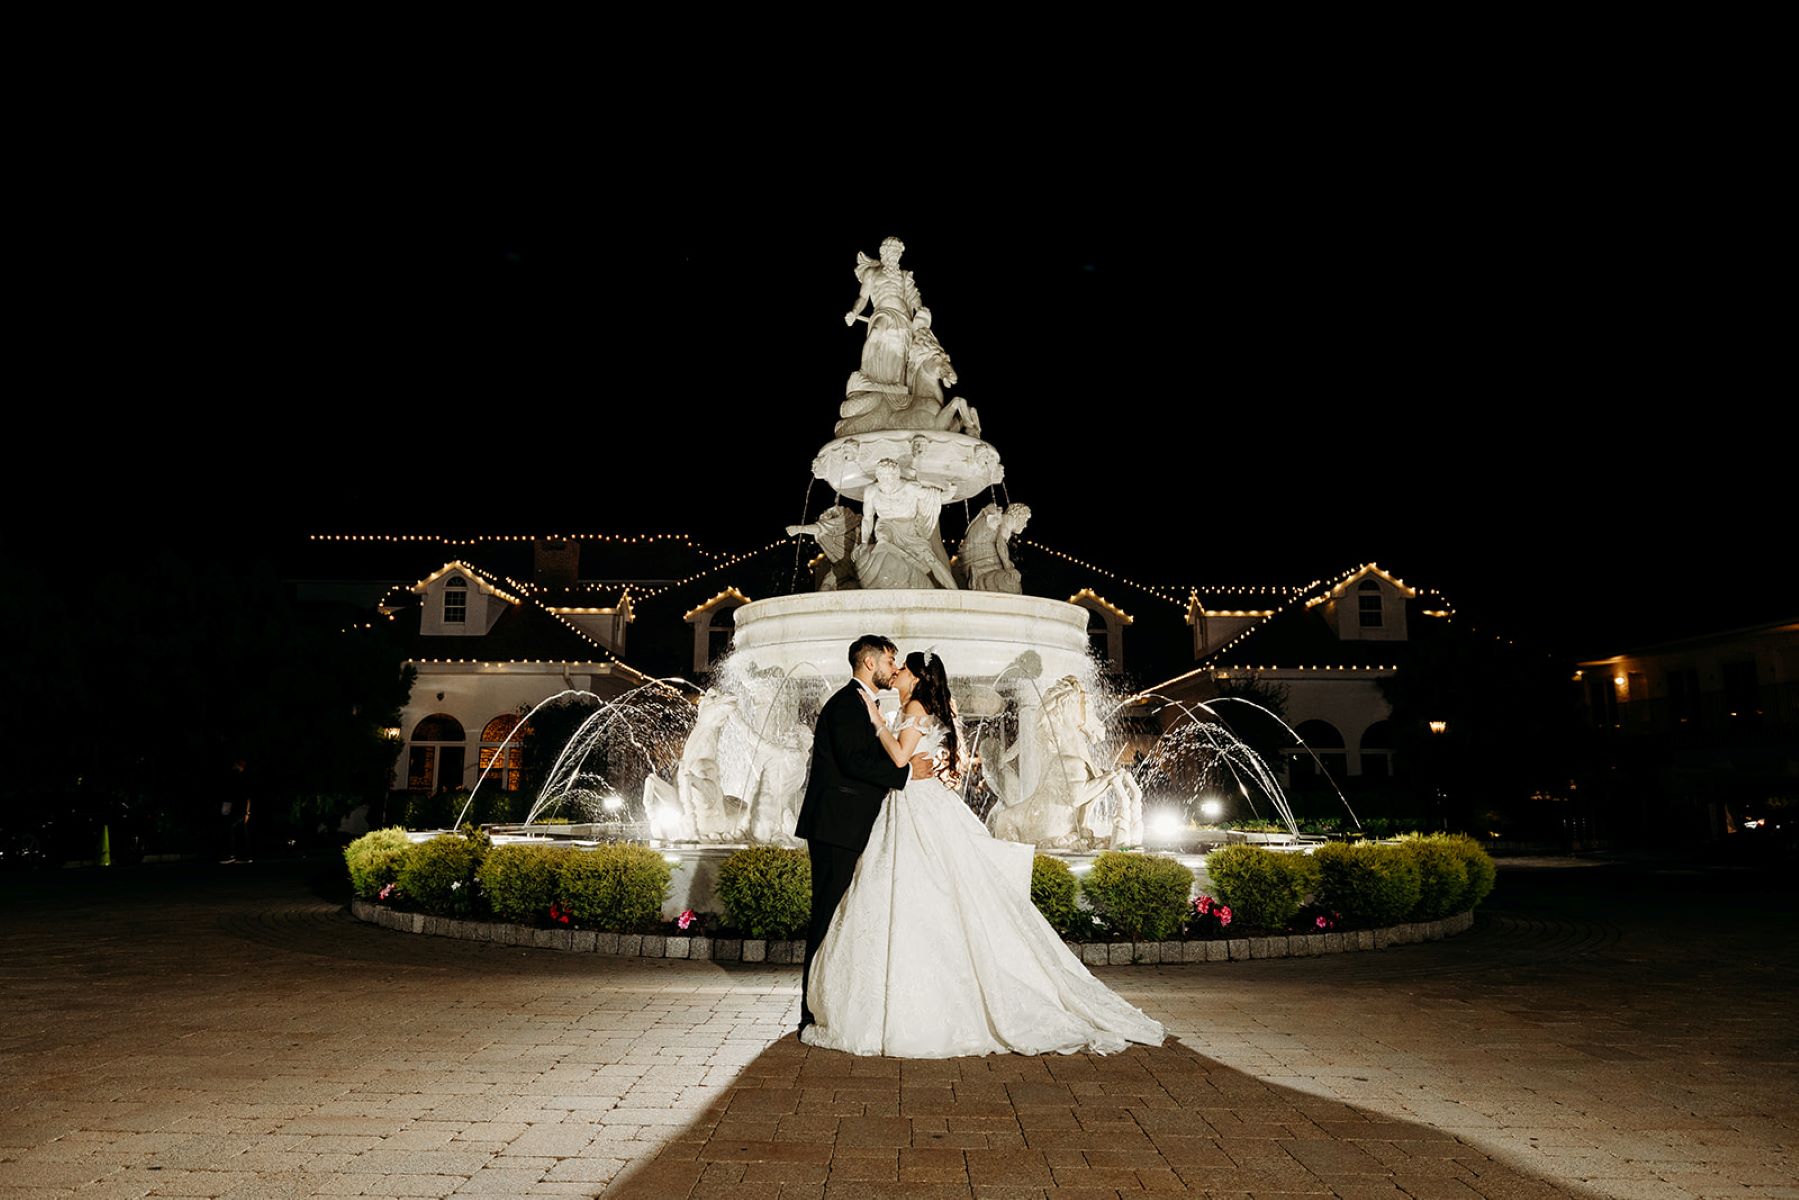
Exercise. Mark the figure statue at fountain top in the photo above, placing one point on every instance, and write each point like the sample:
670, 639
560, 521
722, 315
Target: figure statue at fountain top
901, 547
904, 366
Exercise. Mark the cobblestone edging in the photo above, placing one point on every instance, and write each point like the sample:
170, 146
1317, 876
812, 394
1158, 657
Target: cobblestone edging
1094, 954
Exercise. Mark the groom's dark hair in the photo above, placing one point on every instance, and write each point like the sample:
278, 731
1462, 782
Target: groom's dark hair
868, 643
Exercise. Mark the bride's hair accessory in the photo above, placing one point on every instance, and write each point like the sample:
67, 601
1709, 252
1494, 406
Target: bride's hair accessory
930, 655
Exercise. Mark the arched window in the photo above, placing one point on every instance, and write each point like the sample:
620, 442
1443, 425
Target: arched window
505, 772
456, 600
1326, 743
1377, 750
435, 758
1368, 600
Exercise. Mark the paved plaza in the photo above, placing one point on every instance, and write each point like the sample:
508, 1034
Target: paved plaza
1606, 1029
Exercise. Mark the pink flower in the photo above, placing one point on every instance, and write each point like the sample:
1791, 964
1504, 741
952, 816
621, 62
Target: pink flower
558, 913
386, 892
1224, 914
686, 918
1321, 922
1203, 904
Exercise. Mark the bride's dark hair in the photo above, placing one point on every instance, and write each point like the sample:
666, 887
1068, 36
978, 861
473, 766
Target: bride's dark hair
933, 692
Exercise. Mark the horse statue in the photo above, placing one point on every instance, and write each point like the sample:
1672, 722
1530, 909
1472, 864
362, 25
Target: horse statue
870, 406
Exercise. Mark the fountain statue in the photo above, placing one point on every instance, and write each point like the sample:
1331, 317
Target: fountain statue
985, 558
695, 807
1077, 803
904, 367
838, 531
900, 545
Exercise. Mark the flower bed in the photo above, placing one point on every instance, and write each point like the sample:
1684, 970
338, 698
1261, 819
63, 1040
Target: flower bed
608, 899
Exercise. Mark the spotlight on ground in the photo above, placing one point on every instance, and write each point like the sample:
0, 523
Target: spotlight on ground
1211, 810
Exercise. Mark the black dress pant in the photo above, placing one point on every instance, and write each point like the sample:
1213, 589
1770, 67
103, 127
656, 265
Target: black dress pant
832, 869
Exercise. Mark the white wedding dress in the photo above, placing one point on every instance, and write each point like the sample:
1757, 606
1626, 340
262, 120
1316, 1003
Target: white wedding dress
937, 951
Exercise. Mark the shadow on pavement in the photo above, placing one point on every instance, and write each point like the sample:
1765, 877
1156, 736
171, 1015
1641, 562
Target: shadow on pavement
1158, 1119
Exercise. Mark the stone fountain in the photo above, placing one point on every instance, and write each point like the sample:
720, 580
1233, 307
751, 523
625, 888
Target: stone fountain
1019, 664
903, 451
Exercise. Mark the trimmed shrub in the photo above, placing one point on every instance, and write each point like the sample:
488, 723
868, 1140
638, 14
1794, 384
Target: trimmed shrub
1143, 896
618, 886
1264, 888
1442, 877
373, 860
438, 876
1053, 890
1481, 871
767, 891
521, 881
1369, 884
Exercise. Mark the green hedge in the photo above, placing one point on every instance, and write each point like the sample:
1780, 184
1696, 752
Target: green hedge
373, 860
522, 880
767, 891
1481, 871
1369, 884
616, 886
1442, 877
1264, 888
1053, 891
438, 876
1143, 896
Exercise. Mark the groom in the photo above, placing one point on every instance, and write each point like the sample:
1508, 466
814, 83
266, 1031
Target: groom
851, 775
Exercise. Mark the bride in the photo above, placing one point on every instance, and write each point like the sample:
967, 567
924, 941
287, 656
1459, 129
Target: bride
936, 950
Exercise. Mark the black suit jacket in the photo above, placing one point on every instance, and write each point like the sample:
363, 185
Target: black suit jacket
850, 775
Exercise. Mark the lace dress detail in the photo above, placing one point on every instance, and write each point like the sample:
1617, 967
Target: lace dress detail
937, 951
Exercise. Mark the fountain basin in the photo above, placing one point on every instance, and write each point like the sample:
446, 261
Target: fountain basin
980, 635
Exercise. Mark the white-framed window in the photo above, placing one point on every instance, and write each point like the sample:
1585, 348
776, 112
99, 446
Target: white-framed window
1368, 603
456, 601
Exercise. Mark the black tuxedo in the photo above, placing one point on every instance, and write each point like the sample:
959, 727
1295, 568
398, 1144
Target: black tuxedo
849, 779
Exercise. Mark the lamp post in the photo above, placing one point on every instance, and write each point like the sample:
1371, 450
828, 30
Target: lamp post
1438, 729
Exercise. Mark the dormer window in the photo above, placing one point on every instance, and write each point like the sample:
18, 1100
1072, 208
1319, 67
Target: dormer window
456, 601
1368, 602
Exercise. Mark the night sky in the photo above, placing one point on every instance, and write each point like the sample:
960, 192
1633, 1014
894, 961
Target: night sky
1526, 374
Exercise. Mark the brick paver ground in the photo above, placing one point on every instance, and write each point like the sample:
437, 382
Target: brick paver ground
1605, 1030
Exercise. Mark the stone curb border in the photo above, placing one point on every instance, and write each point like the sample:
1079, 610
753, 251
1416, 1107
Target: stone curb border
754, 950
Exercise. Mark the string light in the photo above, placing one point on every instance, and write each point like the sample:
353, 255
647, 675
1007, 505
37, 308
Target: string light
728, 593
745, 556
1157, 592
1090, 594
493, 586
629, 539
